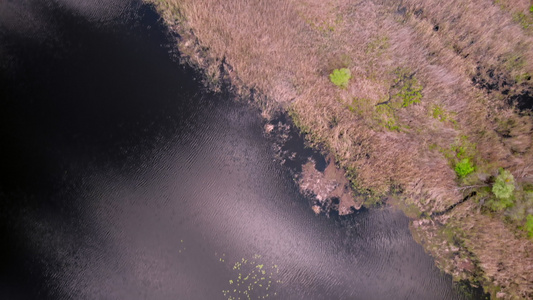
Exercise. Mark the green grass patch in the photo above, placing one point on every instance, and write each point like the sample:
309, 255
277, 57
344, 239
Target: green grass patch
322, 26
385, 117
528, 187
513, 61
406, 88
521, 78
433, 147
298, 121
361, 106
529, 225
382, 115
464, 148
439, 113
378, 46
525, 20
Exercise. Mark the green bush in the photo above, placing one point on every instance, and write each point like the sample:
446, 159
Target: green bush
503, 189
340, 77
503, 185
529, 225
464, 167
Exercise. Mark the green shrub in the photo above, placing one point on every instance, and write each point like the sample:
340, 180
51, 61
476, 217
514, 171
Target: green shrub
461, 156
340, 77
503, 185
529, 225
464, 167
503, 189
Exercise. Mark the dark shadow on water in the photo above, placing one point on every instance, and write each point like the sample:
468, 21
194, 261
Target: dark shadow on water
101, 96
86, 92
90, 97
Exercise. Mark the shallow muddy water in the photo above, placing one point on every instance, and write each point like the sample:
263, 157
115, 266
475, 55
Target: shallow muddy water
122, 178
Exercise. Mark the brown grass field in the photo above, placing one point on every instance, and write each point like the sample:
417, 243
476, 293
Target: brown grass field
432, 83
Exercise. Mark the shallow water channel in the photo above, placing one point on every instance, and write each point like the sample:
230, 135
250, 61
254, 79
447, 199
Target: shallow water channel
122, 178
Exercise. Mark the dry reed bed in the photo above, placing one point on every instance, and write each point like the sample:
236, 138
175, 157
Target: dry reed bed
285, 51
486, 41
505, 264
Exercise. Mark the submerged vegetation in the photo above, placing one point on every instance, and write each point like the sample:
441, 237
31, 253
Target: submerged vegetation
429, 103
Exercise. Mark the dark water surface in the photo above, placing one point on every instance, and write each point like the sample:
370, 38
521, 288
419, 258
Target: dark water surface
123, 179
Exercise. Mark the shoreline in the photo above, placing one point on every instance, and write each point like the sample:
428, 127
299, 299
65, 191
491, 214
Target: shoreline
416, 139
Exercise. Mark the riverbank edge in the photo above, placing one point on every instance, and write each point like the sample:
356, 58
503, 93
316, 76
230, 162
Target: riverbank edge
442, 240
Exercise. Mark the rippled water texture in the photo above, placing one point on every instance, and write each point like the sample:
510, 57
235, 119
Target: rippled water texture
123, 179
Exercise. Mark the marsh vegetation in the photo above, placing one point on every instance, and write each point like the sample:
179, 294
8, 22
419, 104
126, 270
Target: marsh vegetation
429, 103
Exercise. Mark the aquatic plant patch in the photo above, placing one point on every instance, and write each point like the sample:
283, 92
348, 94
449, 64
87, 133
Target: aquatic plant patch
252, 278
